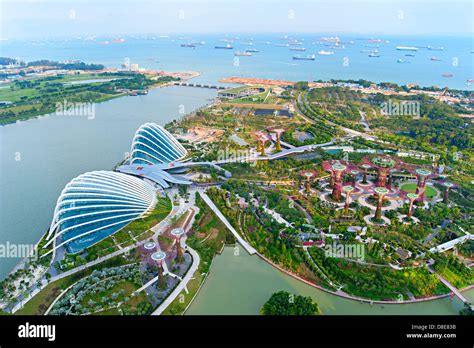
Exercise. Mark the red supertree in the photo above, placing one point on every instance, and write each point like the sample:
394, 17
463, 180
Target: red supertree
383, 165
411, 198
448, 186
337, 169
379, 194
278, 132
178, 233
308, 175
159, 258
348, 190
422, 176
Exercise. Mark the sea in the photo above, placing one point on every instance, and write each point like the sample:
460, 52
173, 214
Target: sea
273, 60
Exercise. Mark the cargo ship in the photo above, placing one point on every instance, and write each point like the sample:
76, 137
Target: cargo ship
447, 75
294, 43
252, 50
374, 55
330, 39
242, 54
297, 49
226, 47
325, 53
435, 59
431, 48
308, 57
189, 45
407, 48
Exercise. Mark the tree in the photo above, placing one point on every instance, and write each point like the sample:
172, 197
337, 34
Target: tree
284, 303
467, 310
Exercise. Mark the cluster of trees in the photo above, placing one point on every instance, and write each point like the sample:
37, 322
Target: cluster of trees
94, 293
8, 61
378, 283
319, 133
272, 199
437, 214
453, 269
284, 303
438, 125
67, 66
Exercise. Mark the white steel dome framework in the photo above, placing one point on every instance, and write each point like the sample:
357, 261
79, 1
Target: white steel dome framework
153, 144
95, 205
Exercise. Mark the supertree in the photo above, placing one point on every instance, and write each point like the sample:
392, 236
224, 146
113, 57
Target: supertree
307, 175
448, 186
278, 132
347, 190
178, 233
411, 198
390, 177
379, 194
421, 177
383, 165
159, 258
337, 169
263, 139
145, 251
354, 173
259, 136
366, 168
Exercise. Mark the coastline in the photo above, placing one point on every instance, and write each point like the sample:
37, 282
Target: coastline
184, 76
355, 298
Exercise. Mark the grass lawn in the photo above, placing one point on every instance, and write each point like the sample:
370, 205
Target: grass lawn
411, 188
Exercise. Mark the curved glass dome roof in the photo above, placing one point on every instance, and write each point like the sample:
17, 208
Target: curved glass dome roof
96, 204
153, 144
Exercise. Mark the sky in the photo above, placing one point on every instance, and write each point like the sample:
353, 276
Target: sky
49, 18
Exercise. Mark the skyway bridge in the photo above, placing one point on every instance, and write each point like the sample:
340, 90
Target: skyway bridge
202, 85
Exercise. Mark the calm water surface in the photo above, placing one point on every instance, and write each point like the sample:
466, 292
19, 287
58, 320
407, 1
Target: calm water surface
241, 285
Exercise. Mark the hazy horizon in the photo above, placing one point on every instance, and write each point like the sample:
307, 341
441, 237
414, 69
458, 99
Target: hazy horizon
53, 18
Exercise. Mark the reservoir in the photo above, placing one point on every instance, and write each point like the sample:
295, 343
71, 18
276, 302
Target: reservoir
242, 284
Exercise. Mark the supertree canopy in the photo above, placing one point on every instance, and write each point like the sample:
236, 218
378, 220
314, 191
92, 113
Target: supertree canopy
347, 190
380, 193
337, 170
448, 186
308, 175
383, 165
411, 197
422, 175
